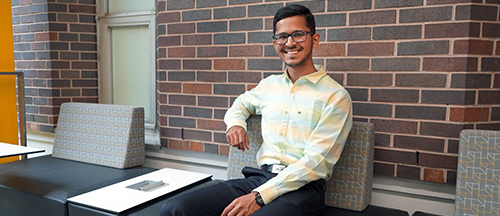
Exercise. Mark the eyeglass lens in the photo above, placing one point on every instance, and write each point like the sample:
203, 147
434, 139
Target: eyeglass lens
298, 36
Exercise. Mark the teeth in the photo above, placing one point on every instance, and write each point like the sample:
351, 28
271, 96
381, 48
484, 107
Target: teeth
292, 52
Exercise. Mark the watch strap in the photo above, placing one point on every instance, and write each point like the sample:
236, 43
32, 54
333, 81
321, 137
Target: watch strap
258, 199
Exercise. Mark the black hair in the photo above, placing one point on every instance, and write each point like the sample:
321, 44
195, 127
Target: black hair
294, 10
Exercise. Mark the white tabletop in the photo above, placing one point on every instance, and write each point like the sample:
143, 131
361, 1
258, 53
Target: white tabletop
7, 150
118, 198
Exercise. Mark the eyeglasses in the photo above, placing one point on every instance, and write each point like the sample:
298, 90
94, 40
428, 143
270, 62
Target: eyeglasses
297, 36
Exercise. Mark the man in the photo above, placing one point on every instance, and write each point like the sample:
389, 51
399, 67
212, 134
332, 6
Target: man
306, 118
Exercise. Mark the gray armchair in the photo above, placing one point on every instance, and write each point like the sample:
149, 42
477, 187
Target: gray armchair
350, 186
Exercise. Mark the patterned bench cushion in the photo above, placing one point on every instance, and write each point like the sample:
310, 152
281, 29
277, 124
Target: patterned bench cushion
351, 184
478, 173
103, 134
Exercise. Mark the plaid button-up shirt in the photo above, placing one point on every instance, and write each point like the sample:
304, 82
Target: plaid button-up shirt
304, 125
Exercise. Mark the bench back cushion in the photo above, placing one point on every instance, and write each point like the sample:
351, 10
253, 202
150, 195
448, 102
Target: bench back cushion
478, 173
103, 134
350, 186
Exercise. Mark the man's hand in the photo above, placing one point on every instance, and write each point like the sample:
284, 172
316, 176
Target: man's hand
238, 137
242, 206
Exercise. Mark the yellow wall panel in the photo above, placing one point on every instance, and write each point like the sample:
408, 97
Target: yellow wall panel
8, 108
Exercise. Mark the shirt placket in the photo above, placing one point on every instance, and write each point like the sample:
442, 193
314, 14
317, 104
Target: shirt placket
287, 110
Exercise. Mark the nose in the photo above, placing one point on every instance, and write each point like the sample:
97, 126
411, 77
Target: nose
290, 41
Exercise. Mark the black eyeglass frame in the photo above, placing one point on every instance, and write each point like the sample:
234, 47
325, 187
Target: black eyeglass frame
275, 37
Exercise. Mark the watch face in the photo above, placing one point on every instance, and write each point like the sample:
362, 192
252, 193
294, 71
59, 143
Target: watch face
258, 199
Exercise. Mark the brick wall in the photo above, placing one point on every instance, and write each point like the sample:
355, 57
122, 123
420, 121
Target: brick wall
55, 45
420, 70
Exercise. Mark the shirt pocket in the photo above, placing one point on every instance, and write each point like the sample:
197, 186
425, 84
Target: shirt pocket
304, 118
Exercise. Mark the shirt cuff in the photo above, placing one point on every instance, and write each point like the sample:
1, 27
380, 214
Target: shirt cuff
235, 122
268, 193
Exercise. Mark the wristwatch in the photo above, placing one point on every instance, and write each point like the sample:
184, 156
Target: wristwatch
258, 199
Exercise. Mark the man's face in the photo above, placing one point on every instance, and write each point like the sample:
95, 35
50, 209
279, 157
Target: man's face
292, 53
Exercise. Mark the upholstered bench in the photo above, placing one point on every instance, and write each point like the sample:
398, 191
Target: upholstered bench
350, 186
95, 145
349, 189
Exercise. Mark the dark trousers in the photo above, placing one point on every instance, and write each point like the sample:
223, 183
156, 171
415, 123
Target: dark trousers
308, 200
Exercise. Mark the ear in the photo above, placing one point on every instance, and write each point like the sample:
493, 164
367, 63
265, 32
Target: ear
316, 38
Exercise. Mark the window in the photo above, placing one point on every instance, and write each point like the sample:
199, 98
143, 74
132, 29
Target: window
126, 32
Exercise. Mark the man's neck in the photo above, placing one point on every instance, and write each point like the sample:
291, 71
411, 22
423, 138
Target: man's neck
294, 73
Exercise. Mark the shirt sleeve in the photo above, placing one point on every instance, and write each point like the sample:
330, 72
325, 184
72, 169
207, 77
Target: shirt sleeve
245, 105
323, 149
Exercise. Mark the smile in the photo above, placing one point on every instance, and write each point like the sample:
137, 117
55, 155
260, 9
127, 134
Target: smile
291, 51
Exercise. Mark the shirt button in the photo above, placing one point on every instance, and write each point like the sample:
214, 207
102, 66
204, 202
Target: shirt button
281, 134
286, 112
282, 151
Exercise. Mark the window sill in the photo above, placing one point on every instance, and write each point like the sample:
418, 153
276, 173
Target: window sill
152, 137
414, 187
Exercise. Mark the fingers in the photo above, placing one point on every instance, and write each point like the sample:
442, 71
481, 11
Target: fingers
233, 209
228, 209
242, 206
247, 141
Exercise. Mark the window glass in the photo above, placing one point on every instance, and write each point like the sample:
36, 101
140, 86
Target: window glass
123, 6
130, 51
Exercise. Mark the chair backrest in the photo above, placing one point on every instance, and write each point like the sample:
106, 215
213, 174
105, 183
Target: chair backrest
103, 134
478, 173
350, 186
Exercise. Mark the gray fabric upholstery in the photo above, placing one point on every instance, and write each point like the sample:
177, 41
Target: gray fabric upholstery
103, 134
478, 173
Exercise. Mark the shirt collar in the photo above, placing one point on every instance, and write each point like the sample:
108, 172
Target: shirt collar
314, 77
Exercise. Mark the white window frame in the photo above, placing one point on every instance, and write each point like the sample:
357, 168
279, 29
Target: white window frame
104, 23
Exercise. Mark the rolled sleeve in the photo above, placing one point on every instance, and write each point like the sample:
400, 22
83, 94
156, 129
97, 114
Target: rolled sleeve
245, 105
